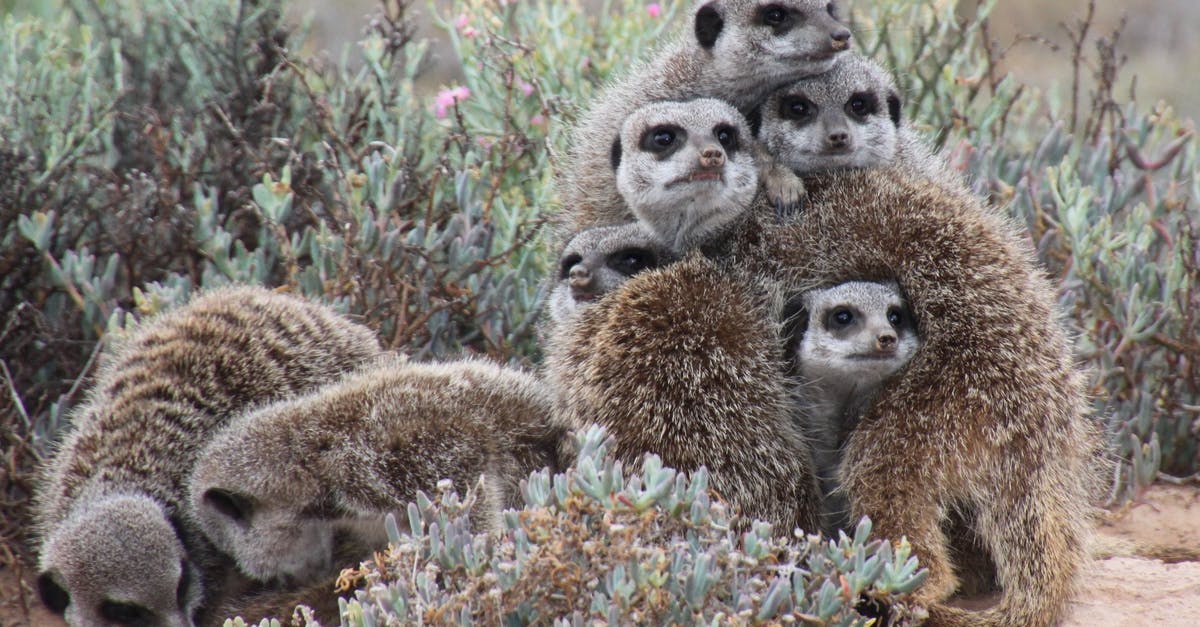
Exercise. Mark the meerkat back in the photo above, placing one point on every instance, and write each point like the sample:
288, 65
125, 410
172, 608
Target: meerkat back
274, 487
737, 51
115, 545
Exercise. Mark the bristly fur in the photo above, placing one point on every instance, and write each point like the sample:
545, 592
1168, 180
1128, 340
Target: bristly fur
989, 419
687, 362
730, 53
274, 486
114, 538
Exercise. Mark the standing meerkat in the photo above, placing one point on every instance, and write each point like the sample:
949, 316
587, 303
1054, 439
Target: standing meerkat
685, 169
847, 118
686, 362
115, 544
738, 51
857, 334
598, 260
988, 421
273, 487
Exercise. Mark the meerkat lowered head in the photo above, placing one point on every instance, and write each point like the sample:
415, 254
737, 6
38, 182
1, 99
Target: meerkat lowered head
685, 169
274, 487
858, 333
599, 259
115, 544
738, 51
847, 118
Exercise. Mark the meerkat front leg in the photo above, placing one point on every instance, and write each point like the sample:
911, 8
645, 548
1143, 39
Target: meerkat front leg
784, 189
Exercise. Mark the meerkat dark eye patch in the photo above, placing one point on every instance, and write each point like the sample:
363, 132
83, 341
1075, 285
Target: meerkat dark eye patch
663, 140
797, 108
126, 614
708, 26
839, 318
862, 105
230, 504
778, 18
630, 261
53, 595
727, 136
568, 262
893, 104
831, 9
895, 316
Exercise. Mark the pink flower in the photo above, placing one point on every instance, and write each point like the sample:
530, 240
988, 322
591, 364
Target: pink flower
461, 22
447, 98
538, 120
654, 9
525, 88
470, 32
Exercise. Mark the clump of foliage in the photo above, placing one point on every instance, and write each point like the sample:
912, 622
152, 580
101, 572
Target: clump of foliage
595, 544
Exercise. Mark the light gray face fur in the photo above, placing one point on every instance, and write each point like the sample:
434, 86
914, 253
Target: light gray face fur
763, 43
598, 260
846, 118
859, 333
685, 168
112, 580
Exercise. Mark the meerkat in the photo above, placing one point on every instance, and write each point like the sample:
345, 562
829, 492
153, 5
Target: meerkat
857, 334
685, 169
738, 51
598, 260
686, 362
274, 487
115, 544
988, 423
847, 118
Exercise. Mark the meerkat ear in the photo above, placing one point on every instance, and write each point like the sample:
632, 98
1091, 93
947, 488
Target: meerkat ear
614, 155
893, 101
709, 24
53, 595
754, 118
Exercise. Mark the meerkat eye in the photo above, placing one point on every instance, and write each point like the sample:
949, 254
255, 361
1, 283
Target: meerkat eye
840, 318
728, 136
861, 105
568, 262
895, 316
797, 108
126, 613
662, 140
775, 16
831, 10
631, 261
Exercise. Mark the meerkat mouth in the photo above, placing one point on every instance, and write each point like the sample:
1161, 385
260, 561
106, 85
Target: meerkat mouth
583, 296
873, 356
697, 177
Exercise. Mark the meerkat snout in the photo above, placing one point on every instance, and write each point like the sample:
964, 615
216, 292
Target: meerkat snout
712, 158
886, 342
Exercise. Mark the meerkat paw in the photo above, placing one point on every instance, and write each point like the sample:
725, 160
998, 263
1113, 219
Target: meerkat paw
785, 191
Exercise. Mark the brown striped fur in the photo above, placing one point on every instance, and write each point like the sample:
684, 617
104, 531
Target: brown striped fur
113, 539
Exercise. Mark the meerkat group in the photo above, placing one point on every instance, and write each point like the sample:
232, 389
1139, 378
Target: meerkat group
928, 383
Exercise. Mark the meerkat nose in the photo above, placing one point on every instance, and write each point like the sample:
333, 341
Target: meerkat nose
712, 157
838, 139
580, 276
886, 342
840, 39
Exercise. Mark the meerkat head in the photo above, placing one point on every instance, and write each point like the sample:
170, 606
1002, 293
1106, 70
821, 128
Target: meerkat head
269, 514
685, 168
758, 45
846, 118
118, 560
858, 333
598, 260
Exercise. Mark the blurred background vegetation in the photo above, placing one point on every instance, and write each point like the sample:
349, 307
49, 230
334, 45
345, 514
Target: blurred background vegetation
148, 149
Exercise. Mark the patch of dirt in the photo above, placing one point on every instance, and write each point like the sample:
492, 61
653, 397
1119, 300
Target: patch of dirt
1146, 571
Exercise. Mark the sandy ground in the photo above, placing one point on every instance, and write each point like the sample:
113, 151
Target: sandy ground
1147, 570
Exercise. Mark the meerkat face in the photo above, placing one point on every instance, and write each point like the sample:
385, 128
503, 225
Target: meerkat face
684, 168
859, 333
119, 562
761, 44
847, 118
598, 260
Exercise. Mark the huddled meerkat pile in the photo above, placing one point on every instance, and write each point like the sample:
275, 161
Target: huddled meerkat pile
764, 271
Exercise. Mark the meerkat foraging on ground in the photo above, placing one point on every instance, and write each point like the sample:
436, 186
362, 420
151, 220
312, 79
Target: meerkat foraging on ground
988, 420
598, 260
847, 118
685, 362
738, 51
858, 334
115, 544
273, 487
685, 169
